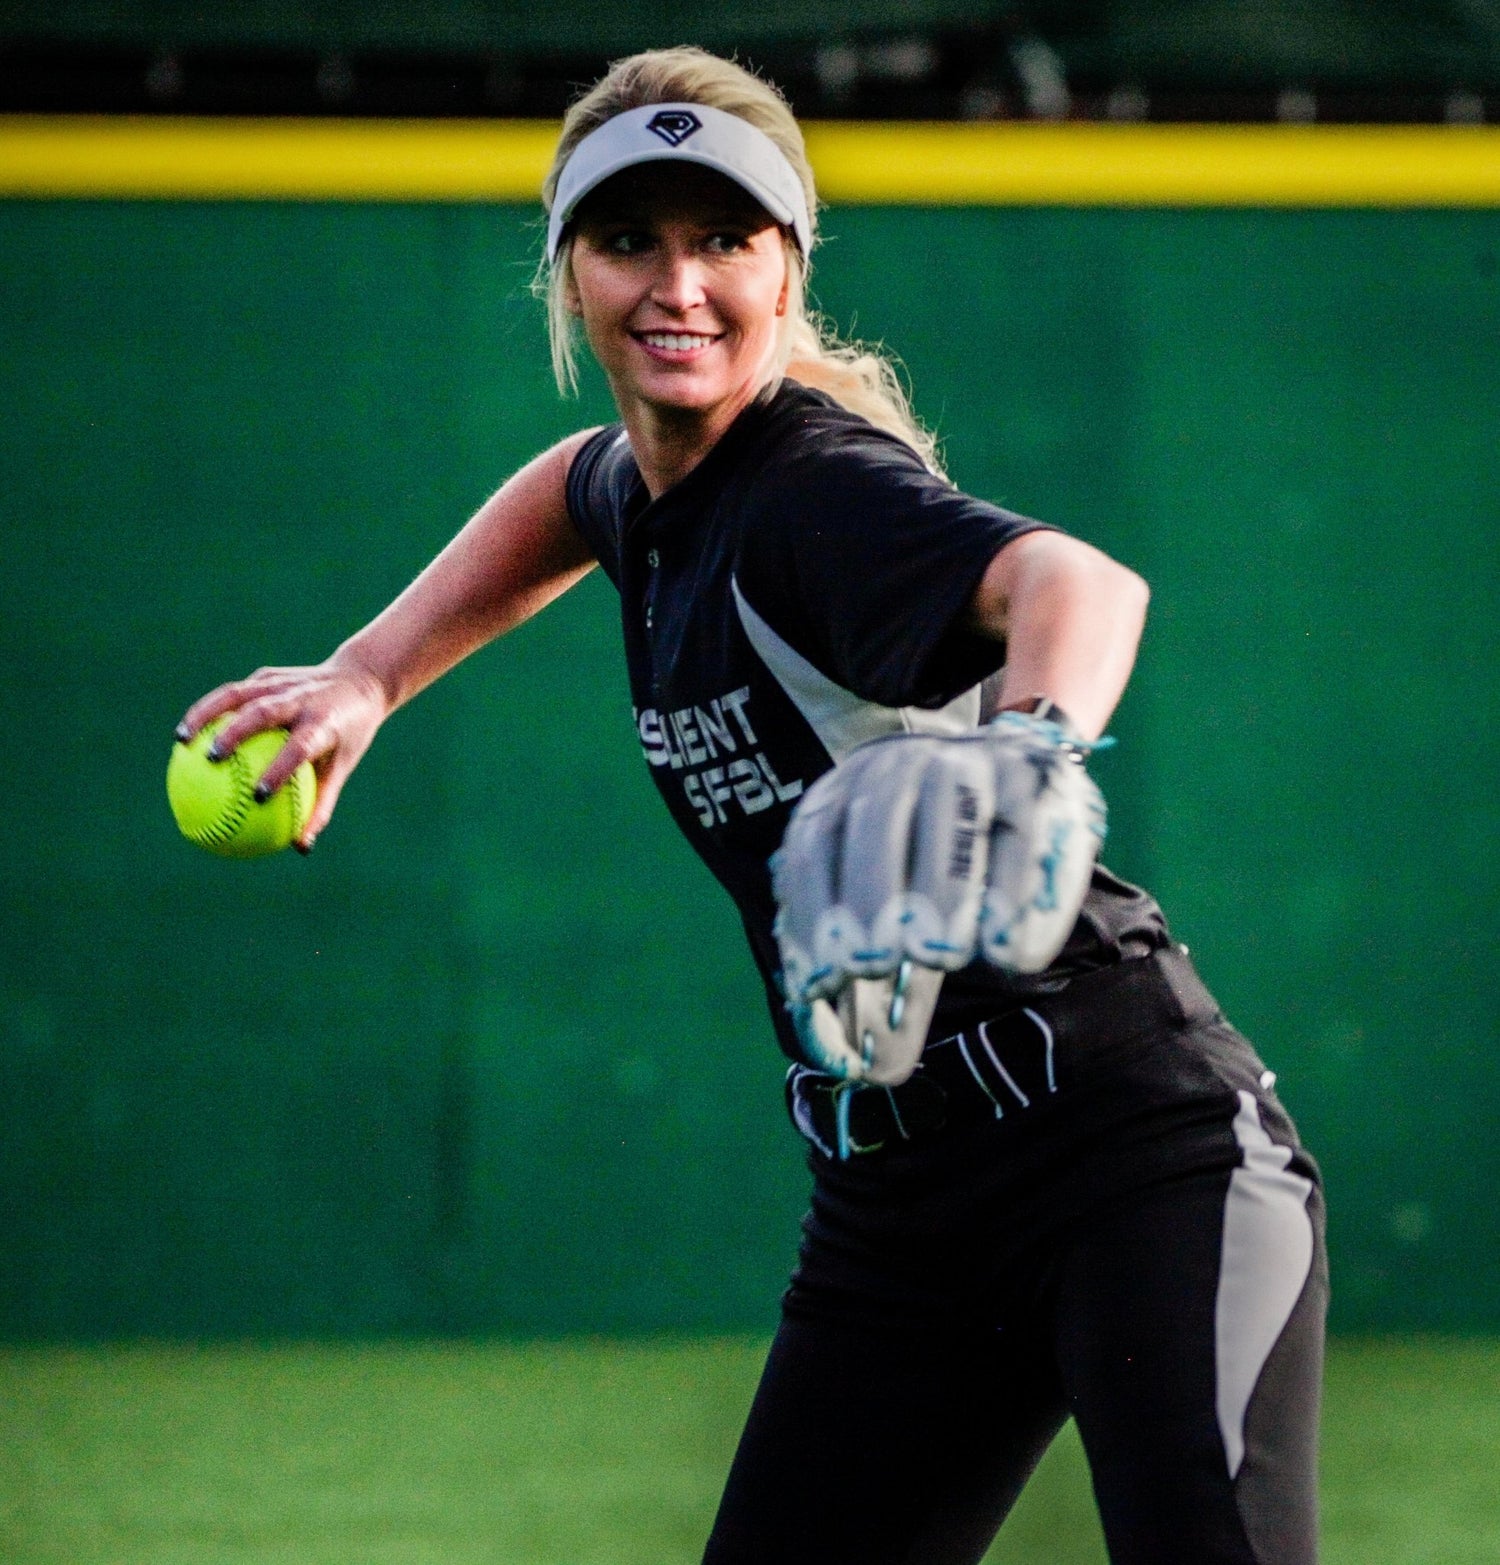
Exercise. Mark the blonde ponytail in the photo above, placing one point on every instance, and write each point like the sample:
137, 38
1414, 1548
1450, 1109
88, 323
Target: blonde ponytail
859, 377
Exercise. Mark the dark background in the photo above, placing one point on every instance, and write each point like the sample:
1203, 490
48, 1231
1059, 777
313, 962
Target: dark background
1359, 60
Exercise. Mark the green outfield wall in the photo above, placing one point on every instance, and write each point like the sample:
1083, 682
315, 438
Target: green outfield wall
494, 1059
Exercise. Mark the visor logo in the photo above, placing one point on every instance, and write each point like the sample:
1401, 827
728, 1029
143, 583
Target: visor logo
674, 126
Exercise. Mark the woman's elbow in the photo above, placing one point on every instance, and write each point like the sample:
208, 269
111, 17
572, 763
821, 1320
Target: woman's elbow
1111, 589
1051, 574
1134, 593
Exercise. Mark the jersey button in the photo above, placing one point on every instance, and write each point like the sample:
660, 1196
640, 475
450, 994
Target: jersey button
653, 559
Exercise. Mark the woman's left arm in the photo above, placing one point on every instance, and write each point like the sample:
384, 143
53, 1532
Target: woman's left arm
1071, 619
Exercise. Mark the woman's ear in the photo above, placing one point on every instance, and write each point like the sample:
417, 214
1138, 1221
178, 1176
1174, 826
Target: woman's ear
791, 257
572, 300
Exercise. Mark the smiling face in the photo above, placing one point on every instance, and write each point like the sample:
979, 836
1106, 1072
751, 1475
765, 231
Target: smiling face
681, 279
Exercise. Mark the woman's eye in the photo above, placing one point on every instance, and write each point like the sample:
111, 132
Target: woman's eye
629, 241
722, 243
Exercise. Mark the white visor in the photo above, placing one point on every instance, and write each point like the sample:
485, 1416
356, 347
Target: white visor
693, 133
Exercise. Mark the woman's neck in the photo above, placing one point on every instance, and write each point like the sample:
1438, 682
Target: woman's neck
668, 443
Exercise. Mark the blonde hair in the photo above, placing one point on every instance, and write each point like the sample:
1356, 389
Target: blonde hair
860, 377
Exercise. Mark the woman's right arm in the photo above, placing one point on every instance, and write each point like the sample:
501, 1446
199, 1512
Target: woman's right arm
517, 553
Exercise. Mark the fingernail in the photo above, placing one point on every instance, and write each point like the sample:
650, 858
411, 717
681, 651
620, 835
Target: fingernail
214, 753
182, 733
304, 848
262, 793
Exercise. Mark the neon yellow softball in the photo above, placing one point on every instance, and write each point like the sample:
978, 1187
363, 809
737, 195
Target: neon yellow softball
214, 801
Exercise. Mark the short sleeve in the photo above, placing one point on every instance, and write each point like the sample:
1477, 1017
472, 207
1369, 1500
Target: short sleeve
866, 562
600, 483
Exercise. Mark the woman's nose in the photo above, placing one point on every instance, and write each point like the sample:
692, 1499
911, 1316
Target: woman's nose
679, 281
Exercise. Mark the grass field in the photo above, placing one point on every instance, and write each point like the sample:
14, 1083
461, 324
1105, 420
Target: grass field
591, 1453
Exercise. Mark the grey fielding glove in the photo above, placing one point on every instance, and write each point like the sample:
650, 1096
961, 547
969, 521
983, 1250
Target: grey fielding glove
914, 855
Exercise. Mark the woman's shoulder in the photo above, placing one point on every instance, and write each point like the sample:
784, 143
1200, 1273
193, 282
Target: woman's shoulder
603, 482
603, 463
810, 425
814, 457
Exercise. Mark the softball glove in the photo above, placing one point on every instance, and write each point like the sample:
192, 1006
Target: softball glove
912, 857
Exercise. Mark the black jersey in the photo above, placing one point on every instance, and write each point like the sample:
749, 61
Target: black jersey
800, 591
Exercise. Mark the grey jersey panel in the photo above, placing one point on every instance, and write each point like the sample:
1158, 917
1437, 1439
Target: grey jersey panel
839, 718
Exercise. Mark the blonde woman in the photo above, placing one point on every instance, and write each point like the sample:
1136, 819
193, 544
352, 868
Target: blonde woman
1060, 1184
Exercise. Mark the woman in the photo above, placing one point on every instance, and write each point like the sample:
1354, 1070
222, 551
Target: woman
1087, 1199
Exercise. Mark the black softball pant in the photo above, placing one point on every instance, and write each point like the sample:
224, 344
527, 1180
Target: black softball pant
1130, 1235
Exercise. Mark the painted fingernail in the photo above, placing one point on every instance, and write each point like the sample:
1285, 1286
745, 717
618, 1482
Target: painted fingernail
304, 848
262, 793
214, 753
182, 733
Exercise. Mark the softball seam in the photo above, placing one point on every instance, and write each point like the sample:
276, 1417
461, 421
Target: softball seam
294, 785
239, 806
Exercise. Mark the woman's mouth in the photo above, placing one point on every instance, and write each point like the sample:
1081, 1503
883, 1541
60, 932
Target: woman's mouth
675, 341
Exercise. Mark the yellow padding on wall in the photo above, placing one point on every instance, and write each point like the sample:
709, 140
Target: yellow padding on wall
1159, 165
275, 159
895, 164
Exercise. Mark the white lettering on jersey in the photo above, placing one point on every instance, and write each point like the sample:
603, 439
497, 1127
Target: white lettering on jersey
736, 701
694, 791
718, 794
753, 785
750, 788
714, 729
693, 734
784, 791
687, 736
653, 742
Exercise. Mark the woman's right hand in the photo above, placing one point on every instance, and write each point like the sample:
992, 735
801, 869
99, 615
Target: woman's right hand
331, 712
516, 554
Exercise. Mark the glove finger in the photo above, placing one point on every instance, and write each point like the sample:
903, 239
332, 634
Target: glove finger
804, 878
1011, 885
1023, 770
1041, 859
883, 794
949, 857
1074, 834
886, 1020
825, 1040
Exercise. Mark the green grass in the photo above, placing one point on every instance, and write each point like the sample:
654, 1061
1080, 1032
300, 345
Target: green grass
590, 1453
